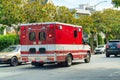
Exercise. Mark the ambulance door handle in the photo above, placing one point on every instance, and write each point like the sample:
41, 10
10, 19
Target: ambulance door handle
34, 43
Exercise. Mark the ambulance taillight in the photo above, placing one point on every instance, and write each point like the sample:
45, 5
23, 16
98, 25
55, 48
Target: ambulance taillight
22, 28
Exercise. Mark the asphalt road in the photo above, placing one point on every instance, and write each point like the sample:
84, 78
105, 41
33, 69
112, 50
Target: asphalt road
100, 68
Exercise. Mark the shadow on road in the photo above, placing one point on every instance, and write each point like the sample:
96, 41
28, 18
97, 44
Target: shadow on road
104, 56
52, 66
112, 56
115, 56
8, 65
4, 65
77, 63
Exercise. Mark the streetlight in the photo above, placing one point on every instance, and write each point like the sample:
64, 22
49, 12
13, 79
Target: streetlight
98, 4
93, 7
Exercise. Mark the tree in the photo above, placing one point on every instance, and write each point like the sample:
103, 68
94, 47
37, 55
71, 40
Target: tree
65, 15
88, 26
111, 22
32, 12
97, 20
37, 11
106, 21
49, 13
11, 12
116, 3
87, 23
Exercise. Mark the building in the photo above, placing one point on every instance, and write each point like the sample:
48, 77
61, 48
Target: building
81, 10
86, 8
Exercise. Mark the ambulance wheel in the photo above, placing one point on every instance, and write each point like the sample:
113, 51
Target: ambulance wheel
68, 61
41, 64
60, 64
14, 61
87, 59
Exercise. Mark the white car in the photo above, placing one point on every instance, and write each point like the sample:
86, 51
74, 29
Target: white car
100, 49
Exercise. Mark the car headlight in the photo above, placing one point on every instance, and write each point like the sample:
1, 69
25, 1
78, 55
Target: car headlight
4, 56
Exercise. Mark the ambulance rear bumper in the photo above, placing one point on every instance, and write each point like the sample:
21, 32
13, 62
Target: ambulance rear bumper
42, 58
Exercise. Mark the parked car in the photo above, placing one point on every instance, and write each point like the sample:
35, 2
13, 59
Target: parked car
100, 49
11, 55
113, 48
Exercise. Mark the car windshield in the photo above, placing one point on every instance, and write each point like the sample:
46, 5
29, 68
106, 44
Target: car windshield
100, 46
10, 49
113, 42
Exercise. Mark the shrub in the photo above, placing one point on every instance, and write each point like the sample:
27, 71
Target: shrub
7, 40
100, 40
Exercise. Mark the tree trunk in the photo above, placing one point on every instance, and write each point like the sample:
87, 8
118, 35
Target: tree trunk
106, 35
92, 44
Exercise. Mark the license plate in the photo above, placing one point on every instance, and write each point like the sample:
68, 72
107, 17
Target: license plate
112, 47
37, 59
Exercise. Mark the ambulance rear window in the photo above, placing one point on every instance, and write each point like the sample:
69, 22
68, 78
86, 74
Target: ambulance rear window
42, 36
32, 36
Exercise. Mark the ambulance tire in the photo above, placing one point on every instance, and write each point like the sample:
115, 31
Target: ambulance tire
41, 64
60, 64
13, 61
87, 59
68, 61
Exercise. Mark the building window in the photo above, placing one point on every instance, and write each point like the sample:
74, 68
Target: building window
42, 36
32, 36
75, 34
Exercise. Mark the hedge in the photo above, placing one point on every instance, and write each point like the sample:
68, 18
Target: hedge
7, 40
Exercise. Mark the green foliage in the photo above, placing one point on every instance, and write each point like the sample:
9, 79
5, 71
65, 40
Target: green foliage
111, 21
100, 40
87, 23
116, 3
19, 11
2, 29
8, 40
65, 15
11, 12
27, 11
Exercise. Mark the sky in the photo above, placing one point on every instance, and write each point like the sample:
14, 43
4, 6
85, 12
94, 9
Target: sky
75, 3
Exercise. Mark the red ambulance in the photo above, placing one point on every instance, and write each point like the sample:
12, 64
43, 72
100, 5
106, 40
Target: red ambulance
53, 42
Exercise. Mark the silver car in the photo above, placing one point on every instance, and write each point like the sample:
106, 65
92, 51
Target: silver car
11, 55
100, 49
